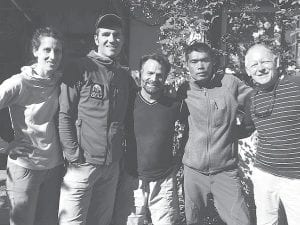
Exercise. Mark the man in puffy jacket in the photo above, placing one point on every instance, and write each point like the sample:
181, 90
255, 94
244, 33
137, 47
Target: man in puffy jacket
210, 159
93, 102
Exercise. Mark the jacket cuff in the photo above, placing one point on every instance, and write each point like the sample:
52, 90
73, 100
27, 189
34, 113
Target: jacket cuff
73, 155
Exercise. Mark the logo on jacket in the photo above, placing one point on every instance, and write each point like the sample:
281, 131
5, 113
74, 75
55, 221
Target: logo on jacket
97, 91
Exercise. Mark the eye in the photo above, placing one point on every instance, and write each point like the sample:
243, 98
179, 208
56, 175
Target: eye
206, 60
57, 51
254, 65
267, 62
105, 34
117, 35
47, 50
159, 76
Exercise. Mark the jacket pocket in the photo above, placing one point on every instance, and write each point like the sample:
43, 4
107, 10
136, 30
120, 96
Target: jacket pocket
16, 172
91, 139
220, 109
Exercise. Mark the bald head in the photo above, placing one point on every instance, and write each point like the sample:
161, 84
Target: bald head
261, 65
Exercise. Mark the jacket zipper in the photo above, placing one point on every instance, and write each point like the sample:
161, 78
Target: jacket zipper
113, 92
208, 127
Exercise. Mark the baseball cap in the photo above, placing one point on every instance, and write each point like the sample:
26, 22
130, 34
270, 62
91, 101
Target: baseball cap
108, 21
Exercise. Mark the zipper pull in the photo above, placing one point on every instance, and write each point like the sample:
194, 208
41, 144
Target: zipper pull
78, 122
216, 105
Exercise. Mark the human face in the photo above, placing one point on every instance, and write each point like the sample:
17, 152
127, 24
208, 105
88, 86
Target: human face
261, 65
200, 66
109, 42
152, 77
48, 55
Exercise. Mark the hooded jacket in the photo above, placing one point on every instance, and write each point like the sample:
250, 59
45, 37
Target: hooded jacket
213, 132
33, 104
93, 103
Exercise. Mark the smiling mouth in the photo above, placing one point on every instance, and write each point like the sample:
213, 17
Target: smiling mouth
262, 74
112, 47
153, 85
51, 63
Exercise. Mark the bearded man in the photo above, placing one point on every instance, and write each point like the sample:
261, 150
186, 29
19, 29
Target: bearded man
149, 179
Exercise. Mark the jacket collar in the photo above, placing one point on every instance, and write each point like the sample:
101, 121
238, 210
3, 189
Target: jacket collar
215, 81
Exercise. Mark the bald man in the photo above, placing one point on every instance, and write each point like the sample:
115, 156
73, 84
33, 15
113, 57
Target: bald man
275, 111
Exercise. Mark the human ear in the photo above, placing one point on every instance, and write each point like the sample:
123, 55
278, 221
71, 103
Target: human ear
277, 61
248, 71
34, 52
96, 39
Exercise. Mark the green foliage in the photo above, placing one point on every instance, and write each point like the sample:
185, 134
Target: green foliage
185, 20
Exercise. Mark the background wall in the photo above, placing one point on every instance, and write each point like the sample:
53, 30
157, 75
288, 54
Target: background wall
143, 39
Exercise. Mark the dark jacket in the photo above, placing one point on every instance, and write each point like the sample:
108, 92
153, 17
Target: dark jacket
211, 146
93, 102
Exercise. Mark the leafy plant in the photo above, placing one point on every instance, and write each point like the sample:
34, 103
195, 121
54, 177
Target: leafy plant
185, 21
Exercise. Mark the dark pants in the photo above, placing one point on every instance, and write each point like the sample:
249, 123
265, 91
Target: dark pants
226, 190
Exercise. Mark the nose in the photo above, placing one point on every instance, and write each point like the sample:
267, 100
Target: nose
154, 77
111, 38
261, 68
52, 54
200, 66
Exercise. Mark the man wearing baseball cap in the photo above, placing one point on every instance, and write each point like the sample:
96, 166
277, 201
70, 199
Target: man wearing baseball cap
93, 102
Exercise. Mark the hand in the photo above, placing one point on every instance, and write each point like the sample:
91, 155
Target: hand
19, 151
3, 146
77, 162
240, 117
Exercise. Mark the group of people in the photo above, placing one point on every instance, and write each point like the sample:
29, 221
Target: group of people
92, 147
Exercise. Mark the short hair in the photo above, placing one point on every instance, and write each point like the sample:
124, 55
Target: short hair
162, 60
45, 32
199, 47
259, 46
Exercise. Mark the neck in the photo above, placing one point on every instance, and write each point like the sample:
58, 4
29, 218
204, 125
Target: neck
151, 98
39, 71
270, 87
104, 58
204, 83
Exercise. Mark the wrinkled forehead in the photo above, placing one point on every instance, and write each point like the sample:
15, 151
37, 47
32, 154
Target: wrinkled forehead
258, 54
153, 66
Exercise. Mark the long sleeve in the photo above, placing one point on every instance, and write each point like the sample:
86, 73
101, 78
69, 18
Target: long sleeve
10, 91
244, 92
68, 102
246, 126
131, 148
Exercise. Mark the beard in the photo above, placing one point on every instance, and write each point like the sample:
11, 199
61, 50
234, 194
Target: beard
152, 88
